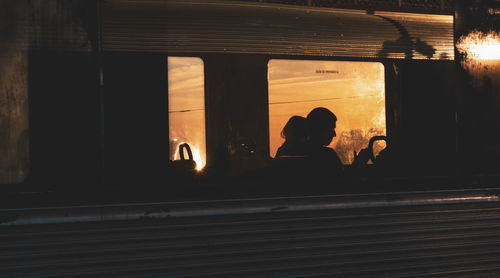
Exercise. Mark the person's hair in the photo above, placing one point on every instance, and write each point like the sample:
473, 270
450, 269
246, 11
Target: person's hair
319, 120
295, 129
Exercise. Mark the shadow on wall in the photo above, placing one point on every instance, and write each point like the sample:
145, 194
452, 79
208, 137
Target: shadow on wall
405, 44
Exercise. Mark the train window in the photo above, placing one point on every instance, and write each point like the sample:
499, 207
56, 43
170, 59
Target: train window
186, 107
353, 91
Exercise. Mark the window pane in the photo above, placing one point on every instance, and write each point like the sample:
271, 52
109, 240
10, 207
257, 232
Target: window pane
186, 107
353, 91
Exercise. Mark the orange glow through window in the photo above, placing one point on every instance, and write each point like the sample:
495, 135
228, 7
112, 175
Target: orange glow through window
186, 107
353, 91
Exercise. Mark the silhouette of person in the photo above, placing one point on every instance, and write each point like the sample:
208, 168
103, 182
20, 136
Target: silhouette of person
321, 124
295, 135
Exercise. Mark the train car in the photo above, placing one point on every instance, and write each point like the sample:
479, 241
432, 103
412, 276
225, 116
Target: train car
145, 138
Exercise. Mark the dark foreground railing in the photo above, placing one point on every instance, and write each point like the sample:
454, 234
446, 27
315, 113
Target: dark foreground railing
426, 234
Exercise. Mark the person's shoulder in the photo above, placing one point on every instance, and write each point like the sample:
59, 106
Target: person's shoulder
333, 153
328, 150
281, 151
325, 159
287, 149
322, 151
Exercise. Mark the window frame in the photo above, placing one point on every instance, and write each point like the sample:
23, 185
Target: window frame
167, 115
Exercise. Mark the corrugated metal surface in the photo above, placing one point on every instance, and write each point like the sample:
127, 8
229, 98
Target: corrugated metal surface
62, 25
241, 27
436, 6
439, 237
49, 25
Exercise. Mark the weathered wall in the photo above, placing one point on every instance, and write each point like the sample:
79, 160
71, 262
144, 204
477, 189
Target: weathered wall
62, 25
46, 53
14, 134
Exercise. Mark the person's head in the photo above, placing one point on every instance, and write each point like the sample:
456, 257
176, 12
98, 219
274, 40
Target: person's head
295, 130
321, 124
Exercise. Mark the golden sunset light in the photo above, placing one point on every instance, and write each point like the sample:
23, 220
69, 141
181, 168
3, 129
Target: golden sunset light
186, 106
480, 46
354, 91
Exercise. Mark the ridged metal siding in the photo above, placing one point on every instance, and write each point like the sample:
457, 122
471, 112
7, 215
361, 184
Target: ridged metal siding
192, 26
457, 238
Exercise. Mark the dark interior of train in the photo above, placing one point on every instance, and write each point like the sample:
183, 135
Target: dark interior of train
111, 126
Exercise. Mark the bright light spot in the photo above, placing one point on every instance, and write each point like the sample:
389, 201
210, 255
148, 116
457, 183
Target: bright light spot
200, 164
480, 46
175, 139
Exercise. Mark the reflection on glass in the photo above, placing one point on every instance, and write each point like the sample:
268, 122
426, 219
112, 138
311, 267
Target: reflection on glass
354, 91
186, 107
